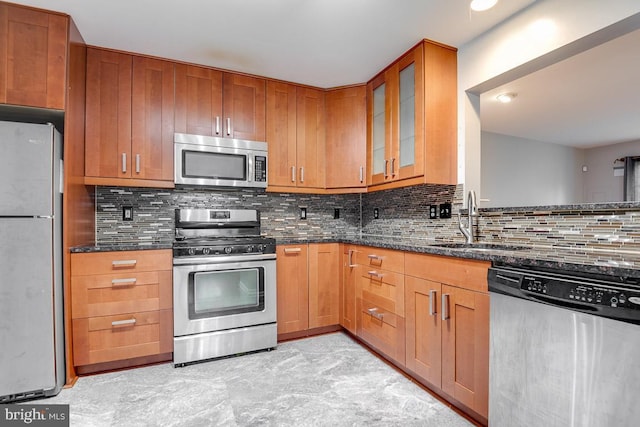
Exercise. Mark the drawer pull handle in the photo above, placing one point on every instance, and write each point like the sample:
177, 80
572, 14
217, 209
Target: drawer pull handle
375, 257
124, 263
123, 282
432, 303
374, 313
375, 274
292, 250
127, 322
445, 306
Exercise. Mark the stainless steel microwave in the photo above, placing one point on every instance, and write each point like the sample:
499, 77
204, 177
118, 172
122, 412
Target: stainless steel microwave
219, 162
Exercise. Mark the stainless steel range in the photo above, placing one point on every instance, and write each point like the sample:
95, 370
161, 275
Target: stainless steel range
224, 285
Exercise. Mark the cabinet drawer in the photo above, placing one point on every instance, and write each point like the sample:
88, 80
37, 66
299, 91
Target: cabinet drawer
464, 273
383, 330
104, 295
109, 338
384, 287
386, 259
83, 264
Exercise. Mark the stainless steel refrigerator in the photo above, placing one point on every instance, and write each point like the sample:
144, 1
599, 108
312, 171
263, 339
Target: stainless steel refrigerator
31, 310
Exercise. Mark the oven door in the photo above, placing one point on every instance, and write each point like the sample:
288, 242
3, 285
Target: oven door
224, 293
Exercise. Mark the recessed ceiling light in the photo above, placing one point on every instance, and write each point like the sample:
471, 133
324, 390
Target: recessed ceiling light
506, 98
482, 5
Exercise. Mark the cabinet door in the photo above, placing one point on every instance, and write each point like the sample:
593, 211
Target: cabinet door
423, 317
152, 132
465, 347
346, 144
33, 47
310, 138
281, 134
244, 107
108, 114
350, 274
293, 289
198, 100
324, 284
379, 128
407, 160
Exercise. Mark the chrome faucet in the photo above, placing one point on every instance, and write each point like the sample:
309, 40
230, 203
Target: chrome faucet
472, 208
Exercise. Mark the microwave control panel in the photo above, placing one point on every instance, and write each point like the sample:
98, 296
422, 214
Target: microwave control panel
260, 168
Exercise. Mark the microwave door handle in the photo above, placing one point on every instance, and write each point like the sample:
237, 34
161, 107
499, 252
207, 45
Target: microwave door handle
250, 168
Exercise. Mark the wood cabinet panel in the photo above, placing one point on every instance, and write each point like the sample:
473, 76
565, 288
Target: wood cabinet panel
383, 330
346, 137
152, 120
424, 334
244, 107
108, 114
377, 258
103, 295
33, 57
324, 284
293, 290
281, 133
310, 137
83, 264
465, 273
383, 286
465, 348
198, 100
351, 273
125, 336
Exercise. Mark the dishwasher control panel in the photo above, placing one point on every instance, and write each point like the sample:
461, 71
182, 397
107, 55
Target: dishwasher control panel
609, 296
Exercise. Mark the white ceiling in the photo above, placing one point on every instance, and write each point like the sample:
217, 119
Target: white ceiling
588, 100
323, 43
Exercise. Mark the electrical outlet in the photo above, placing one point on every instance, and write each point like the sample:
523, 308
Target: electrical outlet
336, 213
303, 213
376, 213
127, 213
445, 210
433, 211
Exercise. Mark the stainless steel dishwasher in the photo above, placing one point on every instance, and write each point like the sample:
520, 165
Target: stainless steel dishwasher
564, 348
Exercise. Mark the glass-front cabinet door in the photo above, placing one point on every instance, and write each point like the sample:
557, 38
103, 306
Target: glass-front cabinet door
396, 120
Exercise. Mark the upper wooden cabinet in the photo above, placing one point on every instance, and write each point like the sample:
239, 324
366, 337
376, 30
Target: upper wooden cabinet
33, 57
411, 119
129, 120
346, 121
213, 103
296, 136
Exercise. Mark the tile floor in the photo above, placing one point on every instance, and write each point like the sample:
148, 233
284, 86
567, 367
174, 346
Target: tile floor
328, 380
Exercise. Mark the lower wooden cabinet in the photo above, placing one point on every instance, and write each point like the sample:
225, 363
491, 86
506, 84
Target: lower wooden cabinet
293, 289
465, 348
121, 306
350, 274
424, 332
308, 286
447, 327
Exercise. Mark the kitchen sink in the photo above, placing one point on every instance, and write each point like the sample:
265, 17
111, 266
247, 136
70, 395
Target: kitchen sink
481, 246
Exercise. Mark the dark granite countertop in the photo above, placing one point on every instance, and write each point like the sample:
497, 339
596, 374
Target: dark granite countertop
614, 263
120, 247
599, 261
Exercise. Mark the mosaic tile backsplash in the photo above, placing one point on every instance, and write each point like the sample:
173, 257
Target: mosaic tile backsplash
403, 213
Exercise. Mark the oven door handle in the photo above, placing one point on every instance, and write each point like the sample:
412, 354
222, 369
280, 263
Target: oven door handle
222, 259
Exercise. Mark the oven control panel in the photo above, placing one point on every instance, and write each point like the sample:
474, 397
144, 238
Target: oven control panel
266, 247
586, 293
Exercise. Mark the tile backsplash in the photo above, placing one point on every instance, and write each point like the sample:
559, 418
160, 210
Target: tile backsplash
403, 213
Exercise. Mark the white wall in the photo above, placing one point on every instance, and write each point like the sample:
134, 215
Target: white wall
600, 183
522, 172
542, 34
